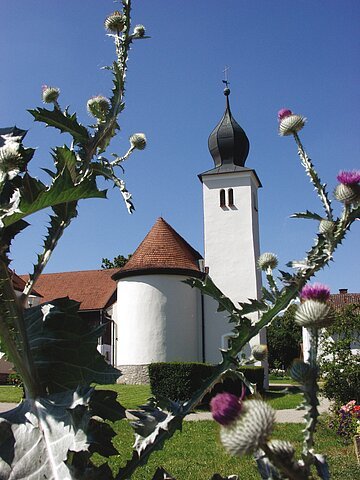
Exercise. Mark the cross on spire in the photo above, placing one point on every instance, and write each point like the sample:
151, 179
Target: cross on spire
225, 72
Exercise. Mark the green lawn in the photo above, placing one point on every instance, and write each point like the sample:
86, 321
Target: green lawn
281, 380
131, 396
196, 453
10, 393
283, 401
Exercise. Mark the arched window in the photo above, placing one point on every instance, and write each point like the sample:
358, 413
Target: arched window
231, 197
222, 198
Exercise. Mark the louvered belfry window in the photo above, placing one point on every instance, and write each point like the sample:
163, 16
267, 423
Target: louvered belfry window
222, 198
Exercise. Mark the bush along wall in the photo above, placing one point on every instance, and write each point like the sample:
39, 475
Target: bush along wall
180, 380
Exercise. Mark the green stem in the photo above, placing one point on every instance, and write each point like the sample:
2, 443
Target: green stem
311, 401
271, 282
14, 333
119, 160
122, 46
286, 466
45, 257
309, 168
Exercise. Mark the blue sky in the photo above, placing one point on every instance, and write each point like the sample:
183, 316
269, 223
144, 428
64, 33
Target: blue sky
302, 55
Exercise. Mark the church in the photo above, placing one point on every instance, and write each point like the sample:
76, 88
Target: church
150, 313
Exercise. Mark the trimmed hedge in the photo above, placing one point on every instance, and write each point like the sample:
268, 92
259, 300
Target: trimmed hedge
179, 380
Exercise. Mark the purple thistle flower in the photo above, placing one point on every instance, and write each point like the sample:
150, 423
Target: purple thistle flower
283, 113
349, 178
316, 291
225, 408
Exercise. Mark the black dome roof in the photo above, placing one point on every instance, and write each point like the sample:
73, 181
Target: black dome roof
228, 143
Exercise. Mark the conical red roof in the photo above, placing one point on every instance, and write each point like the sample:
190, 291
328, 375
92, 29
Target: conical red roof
163, 250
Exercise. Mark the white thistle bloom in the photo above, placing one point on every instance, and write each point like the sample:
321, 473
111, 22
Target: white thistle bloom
139, 30
251, 430
9, 157
267, 260
312, 313
259, 352
98, 106
138, 140
115, 22
291, 124
50, 94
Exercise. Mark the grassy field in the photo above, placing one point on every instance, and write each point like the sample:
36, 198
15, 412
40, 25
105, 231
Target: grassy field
196, 453
10, 393
131, 396
281, 380
283, 401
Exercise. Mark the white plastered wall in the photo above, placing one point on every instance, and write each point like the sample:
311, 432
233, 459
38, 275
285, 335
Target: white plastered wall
157, 320
231, 251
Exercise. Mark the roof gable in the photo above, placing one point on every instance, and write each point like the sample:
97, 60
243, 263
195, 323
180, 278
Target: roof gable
92, 288
162, 250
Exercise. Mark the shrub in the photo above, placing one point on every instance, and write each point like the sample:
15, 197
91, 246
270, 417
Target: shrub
283, 338
179, 380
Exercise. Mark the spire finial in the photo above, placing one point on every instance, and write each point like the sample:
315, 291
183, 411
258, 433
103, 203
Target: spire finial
226, 81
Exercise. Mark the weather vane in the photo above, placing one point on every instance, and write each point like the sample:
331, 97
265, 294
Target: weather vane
226, 81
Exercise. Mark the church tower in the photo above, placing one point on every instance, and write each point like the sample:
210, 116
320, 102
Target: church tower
231, 228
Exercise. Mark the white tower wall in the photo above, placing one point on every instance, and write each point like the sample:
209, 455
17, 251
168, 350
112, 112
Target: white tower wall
157, 320
232, 234
231, 251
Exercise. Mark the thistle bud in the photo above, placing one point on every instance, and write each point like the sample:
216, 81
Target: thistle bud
314, 314
251, 430
282, 449
138, 140
267, 260
139, 31
50, 94
98, 106
348, 190
225, 408
326, 227
259, 352
300, 371
115, 22
347, 193
289, 123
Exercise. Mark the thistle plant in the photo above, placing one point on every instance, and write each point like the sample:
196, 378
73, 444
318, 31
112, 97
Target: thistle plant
54, 350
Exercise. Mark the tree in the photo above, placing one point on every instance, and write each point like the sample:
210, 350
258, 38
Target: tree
340, 358
284, 338
117, 262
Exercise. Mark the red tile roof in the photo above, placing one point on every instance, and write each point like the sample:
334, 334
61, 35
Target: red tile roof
162, 250
92, 288
340, 300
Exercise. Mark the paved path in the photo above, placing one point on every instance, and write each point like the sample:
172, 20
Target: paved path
282, 416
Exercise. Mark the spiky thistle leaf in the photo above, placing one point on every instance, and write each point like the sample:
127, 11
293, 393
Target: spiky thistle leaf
63, 121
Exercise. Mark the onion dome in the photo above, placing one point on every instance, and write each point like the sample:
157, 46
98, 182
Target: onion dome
228, 143
162, 251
